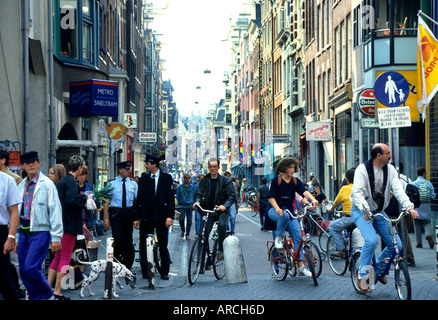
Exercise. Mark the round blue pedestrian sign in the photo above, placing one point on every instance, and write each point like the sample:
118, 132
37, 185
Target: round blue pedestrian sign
391, 89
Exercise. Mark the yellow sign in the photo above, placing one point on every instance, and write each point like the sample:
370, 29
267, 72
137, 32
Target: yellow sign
411, 101
427, 66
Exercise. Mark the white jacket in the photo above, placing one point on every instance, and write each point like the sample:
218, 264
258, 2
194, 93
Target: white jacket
46, 211
361, 193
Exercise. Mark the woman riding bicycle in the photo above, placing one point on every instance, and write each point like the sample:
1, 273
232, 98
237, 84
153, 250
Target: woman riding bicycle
281, 197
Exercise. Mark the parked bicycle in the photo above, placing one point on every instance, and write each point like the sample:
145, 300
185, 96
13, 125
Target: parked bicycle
401, 273
204, 255
286, 261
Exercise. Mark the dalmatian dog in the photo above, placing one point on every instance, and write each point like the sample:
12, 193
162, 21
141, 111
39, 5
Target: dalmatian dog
119, 272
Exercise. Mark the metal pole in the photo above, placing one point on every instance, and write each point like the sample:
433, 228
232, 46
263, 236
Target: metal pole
109, 268
150, 242
436, 246
52, 147
26, 73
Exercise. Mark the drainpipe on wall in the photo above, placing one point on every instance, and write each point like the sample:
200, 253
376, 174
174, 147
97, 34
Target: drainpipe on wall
52, 115
26, 73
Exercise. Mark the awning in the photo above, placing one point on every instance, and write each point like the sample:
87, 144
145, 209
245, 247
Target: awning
239, 169
75, 144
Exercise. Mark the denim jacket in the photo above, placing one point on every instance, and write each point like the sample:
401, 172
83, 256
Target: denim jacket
181, 199
46, 212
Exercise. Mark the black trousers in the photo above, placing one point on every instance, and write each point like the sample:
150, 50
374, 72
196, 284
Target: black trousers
148, 227
121, 221
7, 283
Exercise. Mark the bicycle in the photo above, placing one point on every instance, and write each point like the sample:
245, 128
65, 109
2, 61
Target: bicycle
339, 260
201, 257
283, 261
323, 235
401, 273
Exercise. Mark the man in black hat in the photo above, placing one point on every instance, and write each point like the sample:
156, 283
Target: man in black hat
155, 211
120, 214
40, 225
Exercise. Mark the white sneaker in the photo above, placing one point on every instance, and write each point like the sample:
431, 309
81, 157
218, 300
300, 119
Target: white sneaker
279, 243
302, 271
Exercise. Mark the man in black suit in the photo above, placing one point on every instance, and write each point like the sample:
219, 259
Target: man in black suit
155, 211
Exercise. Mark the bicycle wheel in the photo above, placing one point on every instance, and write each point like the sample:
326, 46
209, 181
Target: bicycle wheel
323, 238
316, 257
338, 261
402, 280
308, 260
254, 213
279, 263
195, 261
354, 268
218, 265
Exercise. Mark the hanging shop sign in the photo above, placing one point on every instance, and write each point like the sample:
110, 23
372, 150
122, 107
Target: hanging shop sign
366, 102
94, 98
318, 131
130, 120
147, 137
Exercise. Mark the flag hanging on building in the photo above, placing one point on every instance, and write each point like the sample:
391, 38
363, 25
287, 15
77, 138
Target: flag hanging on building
427, 66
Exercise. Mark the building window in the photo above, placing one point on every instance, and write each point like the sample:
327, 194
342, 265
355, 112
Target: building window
68, 23
75, 29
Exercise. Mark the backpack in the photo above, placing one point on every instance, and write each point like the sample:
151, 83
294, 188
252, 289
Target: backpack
414, 194
424, 193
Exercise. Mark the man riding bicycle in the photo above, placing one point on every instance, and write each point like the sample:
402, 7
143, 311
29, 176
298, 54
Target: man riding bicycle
216, 191
374, 180
336, 226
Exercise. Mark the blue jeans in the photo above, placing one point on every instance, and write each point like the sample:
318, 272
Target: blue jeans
368, 231
199, 222
283, 223
185, 213
263, 206
232, 223
32, 250
336, 227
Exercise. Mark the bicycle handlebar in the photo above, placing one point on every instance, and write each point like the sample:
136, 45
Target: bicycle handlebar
207, 211
293, 215
394, 220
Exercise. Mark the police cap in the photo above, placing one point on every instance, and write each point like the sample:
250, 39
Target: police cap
124, 165
152, 159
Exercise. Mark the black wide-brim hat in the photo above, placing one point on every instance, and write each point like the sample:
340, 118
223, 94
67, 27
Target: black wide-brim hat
29, 156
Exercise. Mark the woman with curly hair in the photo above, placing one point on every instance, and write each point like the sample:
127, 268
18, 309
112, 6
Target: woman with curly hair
281, 197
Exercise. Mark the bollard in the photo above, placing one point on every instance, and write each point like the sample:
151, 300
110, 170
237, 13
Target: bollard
109, 268
436, 246
233, 258
150, 241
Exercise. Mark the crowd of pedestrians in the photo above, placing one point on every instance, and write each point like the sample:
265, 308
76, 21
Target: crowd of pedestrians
42, 216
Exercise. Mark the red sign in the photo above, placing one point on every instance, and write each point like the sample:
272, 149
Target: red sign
14, 158
366, 102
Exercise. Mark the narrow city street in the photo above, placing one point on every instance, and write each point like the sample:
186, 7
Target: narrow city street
260, 285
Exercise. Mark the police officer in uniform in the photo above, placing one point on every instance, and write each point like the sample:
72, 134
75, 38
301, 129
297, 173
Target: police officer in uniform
120, 214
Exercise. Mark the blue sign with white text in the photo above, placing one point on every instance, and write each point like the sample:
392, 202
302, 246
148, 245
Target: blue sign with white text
391, 89
94, 98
